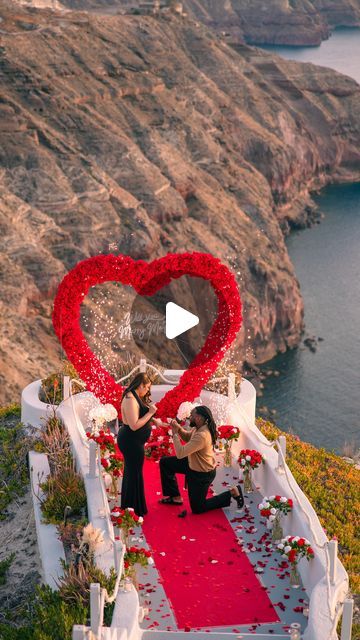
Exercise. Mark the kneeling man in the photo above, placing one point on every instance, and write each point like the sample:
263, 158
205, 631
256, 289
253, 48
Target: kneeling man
196, 460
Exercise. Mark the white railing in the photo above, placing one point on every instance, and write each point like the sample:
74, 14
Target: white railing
329, 548
141, 368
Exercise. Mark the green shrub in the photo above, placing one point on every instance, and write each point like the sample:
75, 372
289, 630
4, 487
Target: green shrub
54, 440
332, 486
65, 488
51, 390
10, 410
14, 446
4, 566
74, 586
49, 617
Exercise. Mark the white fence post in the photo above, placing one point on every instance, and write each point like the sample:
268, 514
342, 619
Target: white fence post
333, 549
281, 459
79, 632
142, 365
94, 607
66, 387
92, 459
347, 617
118, 545
231, 387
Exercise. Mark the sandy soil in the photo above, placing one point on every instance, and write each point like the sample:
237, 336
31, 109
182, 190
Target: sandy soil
18, 535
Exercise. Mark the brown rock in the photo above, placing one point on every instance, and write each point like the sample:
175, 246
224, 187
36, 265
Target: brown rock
222, 159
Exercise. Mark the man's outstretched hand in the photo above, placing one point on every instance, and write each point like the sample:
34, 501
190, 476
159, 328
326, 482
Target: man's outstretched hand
174, 426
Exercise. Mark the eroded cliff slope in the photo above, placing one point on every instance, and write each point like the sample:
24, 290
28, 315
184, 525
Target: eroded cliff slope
152, 135
291, 22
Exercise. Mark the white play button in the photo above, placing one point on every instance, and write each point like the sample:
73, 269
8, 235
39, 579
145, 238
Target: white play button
178, 320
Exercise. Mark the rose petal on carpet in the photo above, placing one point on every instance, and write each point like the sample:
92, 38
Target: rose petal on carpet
208, 580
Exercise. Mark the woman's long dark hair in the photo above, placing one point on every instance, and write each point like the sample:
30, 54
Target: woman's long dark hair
140, 378
205, 412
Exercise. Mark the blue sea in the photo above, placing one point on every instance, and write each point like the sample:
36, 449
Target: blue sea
317, 395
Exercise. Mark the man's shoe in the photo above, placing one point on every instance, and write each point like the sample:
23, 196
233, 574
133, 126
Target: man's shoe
240, 498
170, 500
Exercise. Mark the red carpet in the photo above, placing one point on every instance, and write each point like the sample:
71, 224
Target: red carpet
207, 579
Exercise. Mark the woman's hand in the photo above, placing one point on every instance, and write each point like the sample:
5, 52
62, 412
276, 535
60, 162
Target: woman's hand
152, 408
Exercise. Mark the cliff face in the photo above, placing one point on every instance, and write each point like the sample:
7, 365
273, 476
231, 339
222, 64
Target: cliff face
290, 22
109, 142
339, 13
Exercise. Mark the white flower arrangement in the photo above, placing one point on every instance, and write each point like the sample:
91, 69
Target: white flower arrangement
184, 410
102, 413
92, 537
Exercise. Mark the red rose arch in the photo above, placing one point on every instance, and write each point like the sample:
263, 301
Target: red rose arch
146, 278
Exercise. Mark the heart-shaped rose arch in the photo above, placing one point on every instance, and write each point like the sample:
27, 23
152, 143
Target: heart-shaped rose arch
146, 278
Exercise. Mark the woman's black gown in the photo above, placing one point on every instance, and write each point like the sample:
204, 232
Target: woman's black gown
131, 444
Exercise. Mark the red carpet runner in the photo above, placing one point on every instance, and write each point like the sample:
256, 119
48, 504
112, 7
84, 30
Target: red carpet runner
208, 580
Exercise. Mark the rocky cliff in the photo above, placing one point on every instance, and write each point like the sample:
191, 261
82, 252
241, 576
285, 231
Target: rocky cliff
147, 135
290, 22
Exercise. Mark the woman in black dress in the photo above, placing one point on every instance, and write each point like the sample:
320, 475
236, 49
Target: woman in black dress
137, 412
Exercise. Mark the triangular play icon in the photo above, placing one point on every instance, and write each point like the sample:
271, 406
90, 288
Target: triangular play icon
178, 320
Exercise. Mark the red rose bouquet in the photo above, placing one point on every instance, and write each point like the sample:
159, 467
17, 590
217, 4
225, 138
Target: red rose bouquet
137, 555
269, 506
114, 464
104, 439
133, 556
273, 509
227, 432
159, 443
250, 459
294, 548
125, 518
